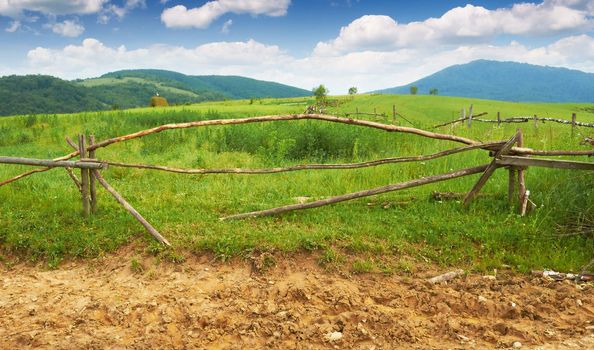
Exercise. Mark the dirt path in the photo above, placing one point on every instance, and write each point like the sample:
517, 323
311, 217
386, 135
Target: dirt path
198, 305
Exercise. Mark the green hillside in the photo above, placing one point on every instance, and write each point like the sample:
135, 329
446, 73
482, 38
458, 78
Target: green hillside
33, 94
230, 86
36, 94
394, 232
507, 81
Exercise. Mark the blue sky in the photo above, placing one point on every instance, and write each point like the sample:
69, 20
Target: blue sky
371, 44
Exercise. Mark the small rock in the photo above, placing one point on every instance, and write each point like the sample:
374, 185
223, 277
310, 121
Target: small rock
463, 338
333, 336
513, 304
517, 345
579, 302
206, 269
482, 299
270, 282
489, 277
276, 334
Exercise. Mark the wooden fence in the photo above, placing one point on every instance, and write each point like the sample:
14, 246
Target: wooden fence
510, 154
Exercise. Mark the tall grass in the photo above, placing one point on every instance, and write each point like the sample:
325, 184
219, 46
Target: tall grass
40, 215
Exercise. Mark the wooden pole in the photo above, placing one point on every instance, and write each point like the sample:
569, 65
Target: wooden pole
357, 111
84, 175
307, 166
573, 120
366, 193
535, 121
521, 174
498, 119
131, 209
511, 185
92, 184
394, 114
52, 163
470, 116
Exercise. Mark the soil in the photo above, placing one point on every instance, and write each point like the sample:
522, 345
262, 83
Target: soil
113, 303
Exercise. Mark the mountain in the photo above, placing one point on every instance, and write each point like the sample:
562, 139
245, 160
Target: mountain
507, 81
32, 94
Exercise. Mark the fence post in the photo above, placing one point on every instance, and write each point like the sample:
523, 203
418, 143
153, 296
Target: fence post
470, 116
375, 111
357, 111
84, 174
535, 121
498, 119
393, 114
521, 172
92, 184
573, 119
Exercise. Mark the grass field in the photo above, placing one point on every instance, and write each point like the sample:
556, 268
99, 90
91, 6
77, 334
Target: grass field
40, 215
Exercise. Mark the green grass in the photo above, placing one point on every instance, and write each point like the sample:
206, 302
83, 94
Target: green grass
40, 215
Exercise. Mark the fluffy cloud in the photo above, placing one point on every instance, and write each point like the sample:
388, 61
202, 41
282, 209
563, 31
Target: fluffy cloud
368, 70
67, 28
462, 25
93, 58
201, 17
15, 8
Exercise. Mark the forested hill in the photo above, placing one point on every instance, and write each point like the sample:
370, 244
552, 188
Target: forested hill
32, 94
507, 81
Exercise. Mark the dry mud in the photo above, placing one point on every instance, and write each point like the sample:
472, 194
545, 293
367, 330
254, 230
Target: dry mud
295, 305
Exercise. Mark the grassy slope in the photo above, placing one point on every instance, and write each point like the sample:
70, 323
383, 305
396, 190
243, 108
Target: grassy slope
40, 215
163, 89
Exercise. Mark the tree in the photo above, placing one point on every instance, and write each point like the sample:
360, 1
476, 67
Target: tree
353, 90
433, 91
320, 93
414, 89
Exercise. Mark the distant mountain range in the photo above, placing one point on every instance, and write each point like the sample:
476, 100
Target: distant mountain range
33, 94
507, 81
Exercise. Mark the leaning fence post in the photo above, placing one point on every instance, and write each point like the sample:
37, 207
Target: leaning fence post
84, 175
93, 186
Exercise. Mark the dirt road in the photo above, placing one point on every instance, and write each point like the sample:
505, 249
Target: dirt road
296, 305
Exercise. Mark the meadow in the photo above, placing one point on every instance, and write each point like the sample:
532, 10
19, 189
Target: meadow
40, 216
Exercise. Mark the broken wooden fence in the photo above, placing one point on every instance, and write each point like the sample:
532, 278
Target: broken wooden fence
509, 154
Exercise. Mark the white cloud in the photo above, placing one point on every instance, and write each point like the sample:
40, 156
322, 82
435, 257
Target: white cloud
93, 58
67, 28
15, 8
13, 27
227, 26
368, 70
201, 17
462, 25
